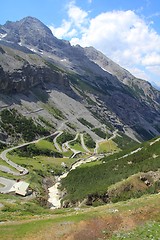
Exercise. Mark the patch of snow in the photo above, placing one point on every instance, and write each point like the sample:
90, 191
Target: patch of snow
104, 69
157, 140
135, 151
63, 60
32, 49
2, 35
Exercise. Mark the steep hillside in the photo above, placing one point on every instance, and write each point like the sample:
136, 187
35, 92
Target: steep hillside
124, 175
136, 219
139, 86
72, 128
131, 175
36, 66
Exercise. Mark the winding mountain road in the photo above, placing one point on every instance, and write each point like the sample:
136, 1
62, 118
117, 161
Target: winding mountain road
54, 193
83, 144
67, 146
55, 141
20, 169
6, 183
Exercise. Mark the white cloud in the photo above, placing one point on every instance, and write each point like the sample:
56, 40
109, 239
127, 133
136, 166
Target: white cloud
76, 15
76, 23
63, 30
151, 59
123, 36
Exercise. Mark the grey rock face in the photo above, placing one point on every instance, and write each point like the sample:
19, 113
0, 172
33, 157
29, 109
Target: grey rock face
139, 86
30, 55
29, 76
31, 31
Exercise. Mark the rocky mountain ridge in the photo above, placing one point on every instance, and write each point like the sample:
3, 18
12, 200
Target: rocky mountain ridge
122, 74
36, 67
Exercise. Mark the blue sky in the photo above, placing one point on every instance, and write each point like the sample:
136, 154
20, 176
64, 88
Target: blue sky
127, 31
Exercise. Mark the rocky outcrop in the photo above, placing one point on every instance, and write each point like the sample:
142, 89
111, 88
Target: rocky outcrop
31, 31
1, 50
140, 88
29, 76
90, 200
30, 55
3, 136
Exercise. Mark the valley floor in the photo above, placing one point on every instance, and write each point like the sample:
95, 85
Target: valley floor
136, 219
16, 169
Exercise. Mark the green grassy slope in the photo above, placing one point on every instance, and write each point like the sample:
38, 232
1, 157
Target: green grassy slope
97, 179
135, 219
